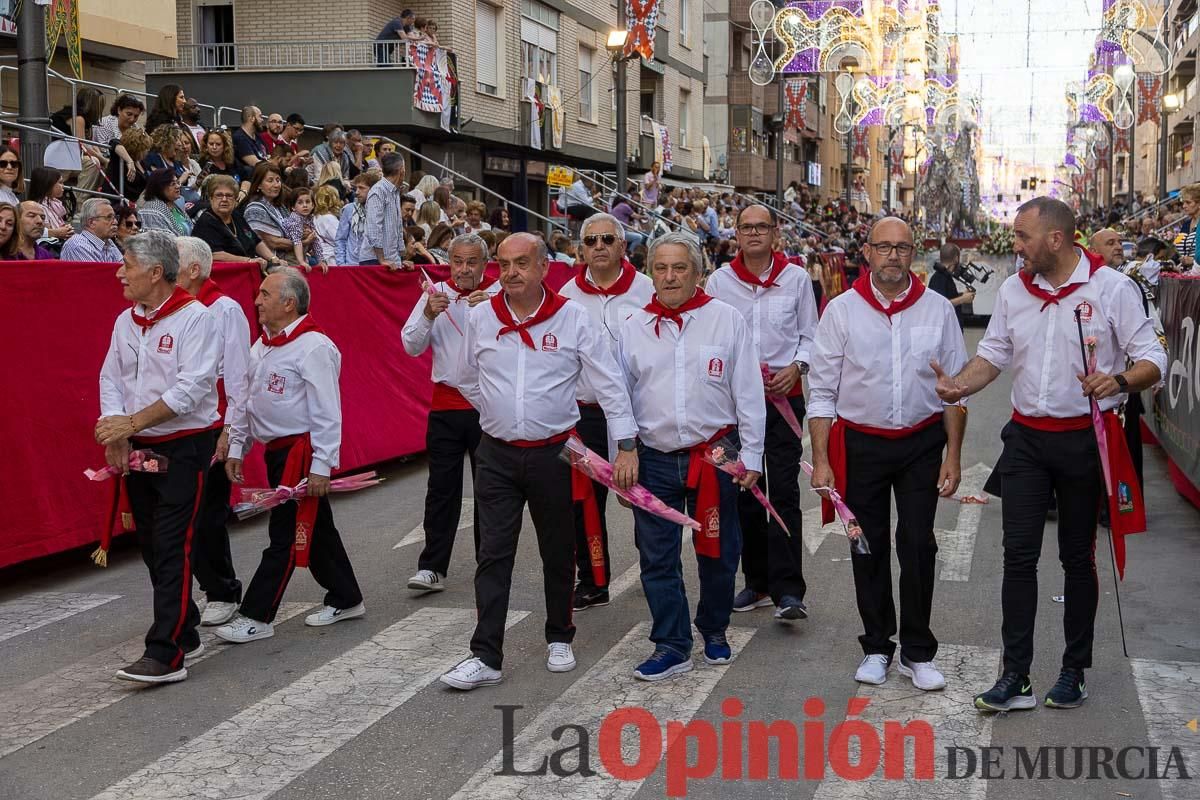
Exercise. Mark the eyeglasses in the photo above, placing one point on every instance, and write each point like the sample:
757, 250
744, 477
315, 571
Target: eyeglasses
107, 216
607, 238
887, 248
10, 164
223, 196
759, 228
132, 224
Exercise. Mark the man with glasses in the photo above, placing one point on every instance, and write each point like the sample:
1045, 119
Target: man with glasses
776, 300
878, 428
97, 240
610, 289
273, 135
453, 427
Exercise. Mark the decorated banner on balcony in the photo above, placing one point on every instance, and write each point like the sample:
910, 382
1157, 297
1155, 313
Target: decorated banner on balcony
536, 108
898, 157
641, 17
861, 148
431, 87
1121, 145
662, 146
62, 19
795, 93
1150, 92
557, 116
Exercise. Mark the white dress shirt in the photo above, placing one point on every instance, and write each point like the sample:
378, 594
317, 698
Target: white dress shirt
873, 369
293, 389
448, 344
233, 367
174, 360
525, 394
1042, 346
782, 319
607, 313
687, 385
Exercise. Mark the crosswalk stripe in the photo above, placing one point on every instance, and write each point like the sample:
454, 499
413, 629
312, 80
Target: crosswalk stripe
47, 704
814, 532
625, 581
607, 686
950, 712
956, 548
1168, 692
34, 611
466, 519
267, 745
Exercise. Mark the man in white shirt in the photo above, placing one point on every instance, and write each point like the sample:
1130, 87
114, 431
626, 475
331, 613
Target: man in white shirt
878, 428
610, 289
294, 407
524, 354
694, 377
1050, 445
211, 558
453, 427
777, 302
157, 393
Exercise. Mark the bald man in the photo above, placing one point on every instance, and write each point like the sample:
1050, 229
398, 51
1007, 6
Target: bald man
1106, 243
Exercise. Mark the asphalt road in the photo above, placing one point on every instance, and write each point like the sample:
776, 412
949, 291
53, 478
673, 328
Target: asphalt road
354, 710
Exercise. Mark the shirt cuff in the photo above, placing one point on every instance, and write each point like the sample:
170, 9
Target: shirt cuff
237, 449
753, 461
622, 428
820, 409
319, 467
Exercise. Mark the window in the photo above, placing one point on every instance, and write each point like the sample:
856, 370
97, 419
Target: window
587, 85
685, 25
539, 43
487, 45
540, 13
685, 99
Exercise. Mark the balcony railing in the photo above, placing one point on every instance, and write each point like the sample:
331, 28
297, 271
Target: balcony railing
277, 56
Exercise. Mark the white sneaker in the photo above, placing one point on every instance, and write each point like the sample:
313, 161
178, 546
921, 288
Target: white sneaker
471, 673
244, 629
426, 580
560, 658
218, 613
924, 674
329, 615
192, 655
873, 669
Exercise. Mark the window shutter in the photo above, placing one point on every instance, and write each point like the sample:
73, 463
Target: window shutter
486, 37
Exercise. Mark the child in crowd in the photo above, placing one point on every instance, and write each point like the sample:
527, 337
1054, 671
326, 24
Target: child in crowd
298, 226
326, 215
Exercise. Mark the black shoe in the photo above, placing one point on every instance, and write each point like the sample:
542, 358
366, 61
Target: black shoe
1013, 692
1069, 692
791, 608
147, 670
590, 598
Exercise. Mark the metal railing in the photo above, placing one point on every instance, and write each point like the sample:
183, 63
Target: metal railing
610, 187
150, 99
275, 56
799, 223
54, 133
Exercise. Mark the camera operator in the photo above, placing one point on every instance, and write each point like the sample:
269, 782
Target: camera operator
942, 280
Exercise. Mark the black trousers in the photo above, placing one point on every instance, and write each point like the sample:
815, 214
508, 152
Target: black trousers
449, 436
506, 478
875, 468
593, 430
165, 506
1036, 464
772, 561
214, 562
1133, 439
328, 562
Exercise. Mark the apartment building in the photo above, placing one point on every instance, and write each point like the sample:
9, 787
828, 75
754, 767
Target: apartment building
1183, 39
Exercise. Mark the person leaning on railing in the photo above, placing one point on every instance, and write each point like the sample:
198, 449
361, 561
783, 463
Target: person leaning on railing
265, 210
136, 144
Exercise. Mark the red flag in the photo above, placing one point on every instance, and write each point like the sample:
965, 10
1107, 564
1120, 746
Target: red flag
1121, 145
1126, 506
1150, 91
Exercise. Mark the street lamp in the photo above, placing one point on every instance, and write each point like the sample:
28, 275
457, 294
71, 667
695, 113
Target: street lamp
616, 46
1170, 103
1125, 78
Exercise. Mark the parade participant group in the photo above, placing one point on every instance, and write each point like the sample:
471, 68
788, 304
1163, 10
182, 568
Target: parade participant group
654, 372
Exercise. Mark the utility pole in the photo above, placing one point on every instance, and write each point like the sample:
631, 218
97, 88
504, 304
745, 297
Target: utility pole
619, 88
33, 104
779, 146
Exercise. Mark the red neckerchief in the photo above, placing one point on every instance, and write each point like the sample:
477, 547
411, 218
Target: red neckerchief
1051, 298
306, 325
675, 314
779, 263
487, 281
209, 292
863, 286
620, 286
550, 306
178, 299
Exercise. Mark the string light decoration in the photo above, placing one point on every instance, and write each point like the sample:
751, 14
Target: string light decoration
819, 35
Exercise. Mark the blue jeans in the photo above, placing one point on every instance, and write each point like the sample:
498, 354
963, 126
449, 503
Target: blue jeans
660, 544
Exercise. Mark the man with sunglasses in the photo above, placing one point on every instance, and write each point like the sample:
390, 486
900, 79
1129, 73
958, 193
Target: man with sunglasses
610, 289
776, 300
878, 427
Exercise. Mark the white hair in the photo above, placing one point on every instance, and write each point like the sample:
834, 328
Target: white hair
295, 287
195, 251
687, 240
594, 218
156, 247
91, 209
470, 240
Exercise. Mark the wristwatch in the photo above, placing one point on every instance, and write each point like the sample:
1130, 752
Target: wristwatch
1124, 384
627, 445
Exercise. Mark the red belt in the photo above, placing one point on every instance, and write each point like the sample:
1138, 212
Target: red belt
447, 398
702, 477
296, 469
588, 405
837, 451
170, 437
1054, 424
558, 438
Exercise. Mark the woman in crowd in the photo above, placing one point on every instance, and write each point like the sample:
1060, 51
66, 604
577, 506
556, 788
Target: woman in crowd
415, 250
158, 209
136, 144
217, 158
331, 175
128, 224
353, 223
124, 113
9, 238
439, 242
327, 209
11, 184
168, 110
189, 179
429, 215
46, 187
78, 122
164, 151
225, 229
475, 213
489, 236
499, 219
651, 183
265, 209
424, 189
442, 197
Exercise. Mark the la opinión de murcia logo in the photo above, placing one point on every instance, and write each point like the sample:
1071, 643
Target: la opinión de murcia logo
734, 749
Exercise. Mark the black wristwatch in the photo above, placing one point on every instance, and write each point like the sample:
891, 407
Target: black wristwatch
1124, 384
627, 445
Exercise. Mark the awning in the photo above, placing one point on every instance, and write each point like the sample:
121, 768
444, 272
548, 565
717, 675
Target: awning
718, 188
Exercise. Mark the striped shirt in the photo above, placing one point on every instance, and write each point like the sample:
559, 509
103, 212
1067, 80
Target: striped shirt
85, 246
384, 229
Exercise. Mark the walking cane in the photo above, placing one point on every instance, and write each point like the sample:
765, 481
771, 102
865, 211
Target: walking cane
1111, 551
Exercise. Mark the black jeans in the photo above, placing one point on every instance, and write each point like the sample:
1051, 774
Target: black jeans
165, 506
593, 431
771, 560
213, 560
875, 468
1036, 464
328, 562
449, 436
507, 477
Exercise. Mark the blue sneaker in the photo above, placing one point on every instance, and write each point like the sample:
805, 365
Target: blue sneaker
716, 649
662, 665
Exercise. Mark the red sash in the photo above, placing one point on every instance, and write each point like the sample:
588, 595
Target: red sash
702, 476
306, 325
837, 450
619, 287
675, 315
209, 292
779, 263
178, 299
141, 441
447, 398
549, 307
1054, 424
296, 469
863, 286
118, 520
1051, 298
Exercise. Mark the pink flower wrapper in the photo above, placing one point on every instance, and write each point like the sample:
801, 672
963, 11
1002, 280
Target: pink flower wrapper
849, 523
256, 501
428, 287
139, 461
783, 406
725, 457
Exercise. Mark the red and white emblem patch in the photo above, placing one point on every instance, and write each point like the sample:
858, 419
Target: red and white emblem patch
712, 523
275, 383
166, 343
549, 343
1085, 311
716, 368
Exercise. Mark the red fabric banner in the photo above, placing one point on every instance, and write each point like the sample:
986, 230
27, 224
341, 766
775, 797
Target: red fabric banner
1150, 91
51, 384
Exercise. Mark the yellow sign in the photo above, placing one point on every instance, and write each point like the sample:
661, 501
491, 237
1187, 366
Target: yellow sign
559, 176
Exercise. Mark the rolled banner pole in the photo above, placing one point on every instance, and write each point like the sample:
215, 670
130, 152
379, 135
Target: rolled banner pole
429, 290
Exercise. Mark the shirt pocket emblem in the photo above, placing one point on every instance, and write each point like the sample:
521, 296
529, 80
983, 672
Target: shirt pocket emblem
276, 383
166, 343
549, 343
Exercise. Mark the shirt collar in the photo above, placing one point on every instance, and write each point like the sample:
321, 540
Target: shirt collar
152, 313
883, 301
527, 316
286, 331
1080, 275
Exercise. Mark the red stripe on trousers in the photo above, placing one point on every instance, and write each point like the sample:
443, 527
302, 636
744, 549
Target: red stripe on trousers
186, 595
